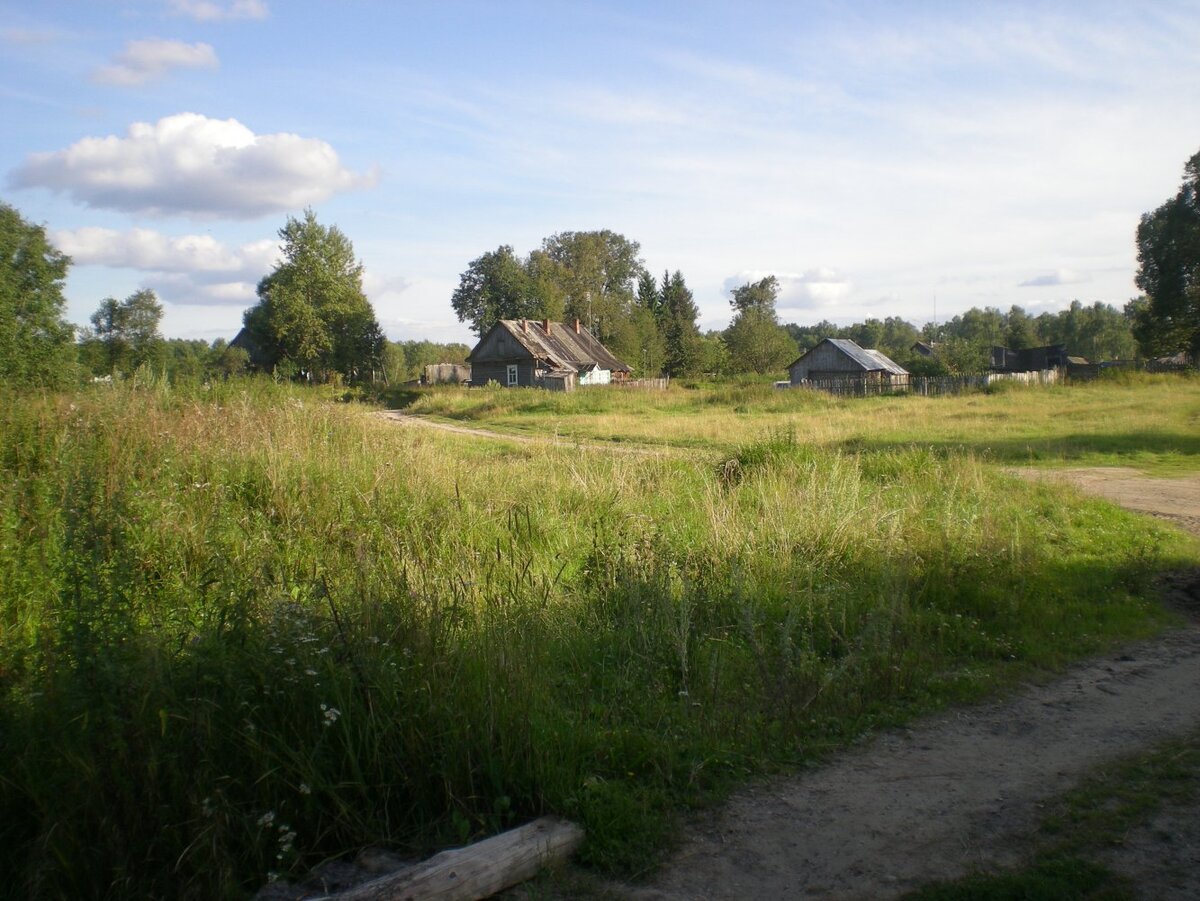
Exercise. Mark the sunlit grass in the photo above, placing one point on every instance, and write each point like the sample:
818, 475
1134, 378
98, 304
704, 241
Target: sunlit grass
1151, 422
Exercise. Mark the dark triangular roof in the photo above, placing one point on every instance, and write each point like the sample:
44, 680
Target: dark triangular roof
558, 344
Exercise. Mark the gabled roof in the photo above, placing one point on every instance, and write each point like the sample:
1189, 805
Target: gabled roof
558, 344
869, 360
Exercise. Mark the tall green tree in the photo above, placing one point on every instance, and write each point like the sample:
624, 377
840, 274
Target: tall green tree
757, 343
1168, 241
681, 335
597, 272
126, 333
312, 313
760, 295
755, 339
35, 340
1020, 330
497, 285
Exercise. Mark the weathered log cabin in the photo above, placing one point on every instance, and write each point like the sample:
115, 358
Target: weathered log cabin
544, 354
839, 364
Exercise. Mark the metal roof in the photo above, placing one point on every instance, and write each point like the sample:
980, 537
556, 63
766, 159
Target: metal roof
869, 360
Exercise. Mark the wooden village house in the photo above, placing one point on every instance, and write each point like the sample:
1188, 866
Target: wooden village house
840, 365
544, 354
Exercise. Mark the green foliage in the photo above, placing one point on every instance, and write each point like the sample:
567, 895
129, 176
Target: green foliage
497, 286
124, 335
755, 340
681, 336
759, 296
589, 276
312, 314
406, 360
237, 641
757, 343
35, 339
597, 272
1168, 241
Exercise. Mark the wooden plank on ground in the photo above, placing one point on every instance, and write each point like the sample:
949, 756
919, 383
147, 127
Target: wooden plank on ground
479, 870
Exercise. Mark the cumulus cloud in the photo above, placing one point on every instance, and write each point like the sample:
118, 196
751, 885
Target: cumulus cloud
152, 251
811, 289
188, 164
143, 61
209, 11
1057, 277
186, 269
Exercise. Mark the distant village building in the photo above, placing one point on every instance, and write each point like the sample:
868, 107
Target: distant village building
924, 348
544, 354
839, 364
1029, 359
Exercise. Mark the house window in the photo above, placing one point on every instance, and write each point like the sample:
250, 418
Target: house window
512, 374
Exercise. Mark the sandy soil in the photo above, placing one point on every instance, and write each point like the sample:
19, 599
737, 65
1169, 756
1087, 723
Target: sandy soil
962, 791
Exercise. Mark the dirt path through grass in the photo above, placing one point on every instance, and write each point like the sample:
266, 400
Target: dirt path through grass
408, 419
962, 791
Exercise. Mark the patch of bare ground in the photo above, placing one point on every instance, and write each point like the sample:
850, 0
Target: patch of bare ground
963, 791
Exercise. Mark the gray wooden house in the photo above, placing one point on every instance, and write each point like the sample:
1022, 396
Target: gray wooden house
544, 354
839, 364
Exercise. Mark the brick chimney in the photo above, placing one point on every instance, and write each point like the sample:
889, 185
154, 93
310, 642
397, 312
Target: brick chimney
577, 325
524, 326
546, 326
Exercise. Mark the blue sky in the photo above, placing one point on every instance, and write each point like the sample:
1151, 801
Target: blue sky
880, 159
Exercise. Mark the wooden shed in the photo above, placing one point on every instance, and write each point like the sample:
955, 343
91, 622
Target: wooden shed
838, 364
544, 354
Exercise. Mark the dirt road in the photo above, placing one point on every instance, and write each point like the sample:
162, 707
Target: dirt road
959, 791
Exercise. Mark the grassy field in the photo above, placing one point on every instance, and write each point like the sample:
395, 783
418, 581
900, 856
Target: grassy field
247, 628
1151, 422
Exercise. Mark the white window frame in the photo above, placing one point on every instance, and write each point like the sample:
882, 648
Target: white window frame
512, 374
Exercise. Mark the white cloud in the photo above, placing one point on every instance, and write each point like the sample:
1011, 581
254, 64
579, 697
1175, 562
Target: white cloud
380, 287
193, 270
188, 164
208, 11
812, 289
1057, 277
151, 251
147, 60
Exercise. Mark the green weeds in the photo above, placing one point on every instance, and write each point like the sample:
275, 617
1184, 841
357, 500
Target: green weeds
246, 629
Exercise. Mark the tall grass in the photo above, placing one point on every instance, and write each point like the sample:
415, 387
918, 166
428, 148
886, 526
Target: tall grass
245, 629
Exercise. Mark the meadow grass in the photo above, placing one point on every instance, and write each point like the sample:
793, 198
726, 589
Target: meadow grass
246, 629
1151, 422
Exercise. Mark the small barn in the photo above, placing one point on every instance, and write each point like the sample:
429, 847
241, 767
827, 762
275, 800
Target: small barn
838, 364
1029, 359
544, 354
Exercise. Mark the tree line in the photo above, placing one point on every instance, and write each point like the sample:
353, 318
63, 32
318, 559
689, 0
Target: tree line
651, 324
313, 320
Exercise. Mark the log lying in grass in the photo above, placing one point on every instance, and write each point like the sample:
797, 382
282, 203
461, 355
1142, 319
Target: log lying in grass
479, 870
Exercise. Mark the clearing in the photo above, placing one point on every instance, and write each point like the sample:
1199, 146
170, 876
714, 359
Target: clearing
961, 791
